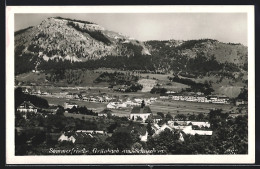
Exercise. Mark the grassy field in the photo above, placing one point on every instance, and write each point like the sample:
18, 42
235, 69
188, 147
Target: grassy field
164, 106
80, 116
96, 107
183, 107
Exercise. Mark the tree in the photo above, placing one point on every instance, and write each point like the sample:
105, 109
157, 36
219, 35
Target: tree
166, 141
142, 104
121, 140
112, 127
168, 117
181, 117
243, 94
200, 117
39, 138
109, 115
60, 111
160, 114
192, 117
149, 129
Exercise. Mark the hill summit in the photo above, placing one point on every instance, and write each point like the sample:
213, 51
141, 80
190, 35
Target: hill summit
74, 40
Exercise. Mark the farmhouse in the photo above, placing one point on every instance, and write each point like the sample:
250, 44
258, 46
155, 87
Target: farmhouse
161, 129
189, 130
158, 130
140, 113
68, 105
77, 137
116, 105
27, 106
200, 124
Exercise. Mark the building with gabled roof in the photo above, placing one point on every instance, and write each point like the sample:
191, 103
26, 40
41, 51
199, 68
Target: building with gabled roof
68, 105
140, 112
27, 106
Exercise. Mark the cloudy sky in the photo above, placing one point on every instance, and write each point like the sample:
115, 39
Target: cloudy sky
225, 27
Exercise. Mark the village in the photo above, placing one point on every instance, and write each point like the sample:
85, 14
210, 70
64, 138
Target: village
139, 113
96, 114
115, 103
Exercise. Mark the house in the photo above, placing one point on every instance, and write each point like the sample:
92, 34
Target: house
76, 137
201, 124
130, 103
105, 112
240, 102
116, 105
164, 97
63, 137
138, 101
80, 138
69, 95
155, 127
189, 130
27, 91
27, 106
161, 129
157, 118
140, 113
112, 105
39, 92
45, 93
170, 92
158, 130
68, 105
144, 138
91, 132
186, 127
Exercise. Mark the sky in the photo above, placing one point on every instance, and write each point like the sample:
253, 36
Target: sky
225, 27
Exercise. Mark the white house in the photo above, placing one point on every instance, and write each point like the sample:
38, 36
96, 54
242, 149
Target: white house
161, 129
200, 124
68, 105
63, 137
91, 132
116, 105
26, 106
189, 130
144, 137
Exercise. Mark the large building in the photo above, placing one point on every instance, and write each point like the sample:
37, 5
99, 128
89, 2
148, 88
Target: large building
26, 106
140, 113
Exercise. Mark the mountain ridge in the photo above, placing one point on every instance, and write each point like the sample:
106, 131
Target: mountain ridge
60, 39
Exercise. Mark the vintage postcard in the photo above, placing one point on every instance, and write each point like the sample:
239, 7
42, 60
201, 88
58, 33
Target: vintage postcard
130, 85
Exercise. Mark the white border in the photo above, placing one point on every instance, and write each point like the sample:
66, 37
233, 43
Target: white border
126, 159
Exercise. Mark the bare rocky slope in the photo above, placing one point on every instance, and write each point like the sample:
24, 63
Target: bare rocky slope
73, 40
